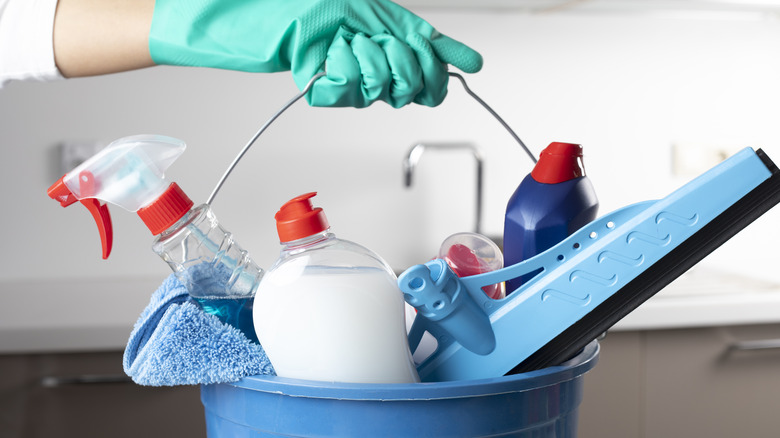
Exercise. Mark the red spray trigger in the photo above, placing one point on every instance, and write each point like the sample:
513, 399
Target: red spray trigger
60, 193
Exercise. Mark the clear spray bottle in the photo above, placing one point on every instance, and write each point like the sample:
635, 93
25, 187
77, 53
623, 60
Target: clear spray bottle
219, 275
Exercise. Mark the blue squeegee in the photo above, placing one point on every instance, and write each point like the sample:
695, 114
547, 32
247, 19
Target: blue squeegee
586, 283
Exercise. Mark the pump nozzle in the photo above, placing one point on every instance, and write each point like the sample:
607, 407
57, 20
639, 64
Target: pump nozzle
298, 219
129, 173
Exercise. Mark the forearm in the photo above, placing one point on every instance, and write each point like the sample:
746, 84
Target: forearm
93, 37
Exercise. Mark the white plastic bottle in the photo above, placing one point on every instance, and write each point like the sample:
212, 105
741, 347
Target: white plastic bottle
330, 309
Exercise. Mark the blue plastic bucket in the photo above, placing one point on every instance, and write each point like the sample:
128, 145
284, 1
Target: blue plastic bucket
537, 404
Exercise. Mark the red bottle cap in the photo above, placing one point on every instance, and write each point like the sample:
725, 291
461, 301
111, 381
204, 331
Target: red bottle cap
559, 162
166, 210
298, 219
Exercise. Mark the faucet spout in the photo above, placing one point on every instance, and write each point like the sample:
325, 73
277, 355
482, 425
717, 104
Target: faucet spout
410, 162
416, 152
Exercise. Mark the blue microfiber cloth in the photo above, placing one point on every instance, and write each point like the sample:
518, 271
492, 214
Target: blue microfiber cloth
175, 343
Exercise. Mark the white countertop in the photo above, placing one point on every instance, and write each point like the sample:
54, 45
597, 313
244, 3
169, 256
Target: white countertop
701, 298
78, 315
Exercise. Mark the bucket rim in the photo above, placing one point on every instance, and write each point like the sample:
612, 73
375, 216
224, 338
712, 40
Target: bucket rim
569, 370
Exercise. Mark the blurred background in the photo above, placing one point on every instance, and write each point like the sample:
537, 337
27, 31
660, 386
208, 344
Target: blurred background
657, 92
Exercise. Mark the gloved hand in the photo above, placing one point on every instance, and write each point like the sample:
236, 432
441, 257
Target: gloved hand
370, 49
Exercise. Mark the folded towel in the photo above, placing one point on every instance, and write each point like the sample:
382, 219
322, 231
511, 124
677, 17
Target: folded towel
175, 343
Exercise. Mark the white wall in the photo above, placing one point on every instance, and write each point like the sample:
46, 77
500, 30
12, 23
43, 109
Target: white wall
627, 87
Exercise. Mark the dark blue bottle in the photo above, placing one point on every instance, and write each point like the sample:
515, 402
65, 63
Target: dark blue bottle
553, 201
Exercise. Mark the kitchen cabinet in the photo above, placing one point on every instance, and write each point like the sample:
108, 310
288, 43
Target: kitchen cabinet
708, 381
88, 395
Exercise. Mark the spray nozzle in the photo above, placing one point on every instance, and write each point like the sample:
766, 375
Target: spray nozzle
129, 173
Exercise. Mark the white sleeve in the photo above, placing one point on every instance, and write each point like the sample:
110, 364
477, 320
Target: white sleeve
26, 40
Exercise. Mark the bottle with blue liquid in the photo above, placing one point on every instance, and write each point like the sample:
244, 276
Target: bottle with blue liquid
218, 274
553, 201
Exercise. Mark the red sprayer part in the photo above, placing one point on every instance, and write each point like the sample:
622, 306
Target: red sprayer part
559, 162
298, 219
60, 193
464, 262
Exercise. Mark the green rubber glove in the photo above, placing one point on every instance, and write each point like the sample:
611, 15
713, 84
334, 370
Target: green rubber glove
370, 49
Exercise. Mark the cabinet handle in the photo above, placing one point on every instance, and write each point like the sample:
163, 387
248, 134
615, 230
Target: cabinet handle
86, 379
763, 344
